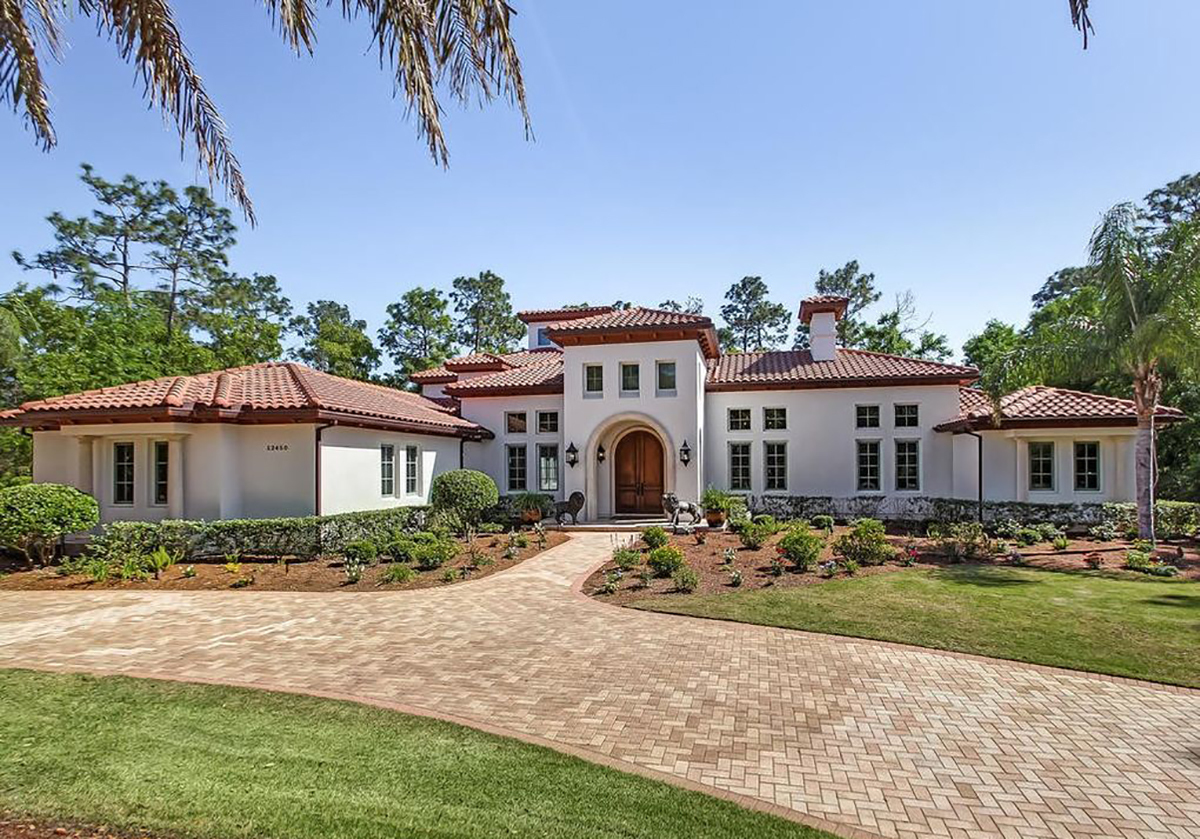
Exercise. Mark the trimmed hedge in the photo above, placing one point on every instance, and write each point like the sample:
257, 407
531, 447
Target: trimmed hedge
34, 516
304, 536
466, 493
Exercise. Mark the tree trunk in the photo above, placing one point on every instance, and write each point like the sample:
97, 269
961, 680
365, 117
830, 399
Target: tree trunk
1146, 389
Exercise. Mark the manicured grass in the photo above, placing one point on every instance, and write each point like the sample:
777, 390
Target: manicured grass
1125, 626
208, 761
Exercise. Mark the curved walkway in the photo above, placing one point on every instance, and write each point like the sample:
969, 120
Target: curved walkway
863, 738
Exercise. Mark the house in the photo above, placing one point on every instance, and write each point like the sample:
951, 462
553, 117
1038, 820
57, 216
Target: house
622, 405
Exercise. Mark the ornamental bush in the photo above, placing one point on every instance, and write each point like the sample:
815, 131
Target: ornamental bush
685, 578
34, 516
464, 492
361, 550
666, 560
756, 534
654, 537
435, 554
865, 544
801, 546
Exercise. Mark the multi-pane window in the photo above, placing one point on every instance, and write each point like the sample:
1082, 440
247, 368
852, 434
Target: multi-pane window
517, 469
868, 466
1041, 466
1087, 467
907, 416
515, 422
542, 339
122, 473
387, 469
548, 468
908, 465
774, 419
162, 472
774, 466
739, 419
666, 376
630, 378
547, 422
739, 467
412, 470
866, 416
593, 378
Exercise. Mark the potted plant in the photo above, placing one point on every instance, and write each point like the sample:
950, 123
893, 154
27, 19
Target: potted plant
716, 506
530, 506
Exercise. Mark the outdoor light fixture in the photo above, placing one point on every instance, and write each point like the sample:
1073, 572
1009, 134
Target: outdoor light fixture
685, 453
572, 455
600, 454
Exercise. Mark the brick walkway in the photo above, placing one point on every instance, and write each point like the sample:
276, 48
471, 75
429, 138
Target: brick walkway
867, 739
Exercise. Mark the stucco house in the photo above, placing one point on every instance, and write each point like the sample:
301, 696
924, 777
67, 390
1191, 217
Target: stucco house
622, 405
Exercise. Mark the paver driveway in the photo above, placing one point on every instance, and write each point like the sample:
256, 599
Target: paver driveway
851, 734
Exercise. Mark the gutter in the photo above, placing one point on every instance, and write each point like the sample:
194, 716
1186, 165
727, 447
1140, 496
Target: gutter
979, 447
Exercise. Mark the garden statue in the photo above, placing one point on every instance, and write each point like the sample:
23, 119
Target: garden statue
674, 507
570, 507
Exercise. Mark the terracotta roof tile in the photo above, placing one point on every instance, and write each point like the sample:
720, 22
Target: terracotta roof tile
1042, 405
531, 378
796, 369
633, 318
809, 306
564, 313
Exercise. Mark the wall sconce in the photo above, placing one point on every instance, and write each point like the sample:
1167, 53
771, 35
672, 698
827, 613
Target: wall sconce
572, 455
685, 453
600, 454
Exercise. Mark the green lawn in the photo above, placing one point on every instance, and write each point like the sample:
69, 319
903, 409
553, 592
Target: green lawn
1139, 627
207, 761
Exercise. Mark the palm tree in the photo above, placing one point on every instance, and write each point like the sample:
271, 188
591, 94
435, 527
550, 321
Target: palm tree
464, 45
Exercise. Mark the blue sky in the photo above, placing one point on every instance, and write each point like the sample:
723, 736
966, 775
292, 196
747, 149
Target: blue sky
961, 150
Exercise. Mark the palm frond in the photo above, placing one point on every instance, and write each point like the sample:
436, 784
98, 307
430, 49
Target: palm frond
1080, 19
296, 20
23, 25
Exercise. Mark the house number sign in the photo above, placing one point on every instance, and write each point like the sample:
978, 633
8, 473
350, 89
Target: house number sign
277, 447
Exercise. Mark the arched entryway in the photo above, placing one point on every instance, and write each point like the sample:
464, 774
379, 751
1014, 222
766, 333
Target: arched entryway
639, 474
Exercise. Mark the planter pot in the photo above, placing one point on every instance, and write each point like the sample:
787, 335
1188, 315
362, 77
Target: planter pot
715, 518
531, 516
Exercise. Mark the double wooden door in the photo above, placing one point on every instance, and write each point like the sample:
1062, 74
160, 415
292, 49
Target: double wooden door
638, 473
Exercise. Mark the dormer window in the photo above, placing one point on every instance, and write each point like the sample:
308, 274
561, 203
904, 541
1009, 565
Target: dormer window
541, 340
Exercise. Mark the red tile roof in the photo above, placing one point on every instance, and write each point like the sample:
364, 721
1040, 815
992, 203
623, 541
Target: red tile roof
565, 313
1047, 407
546, 377
809, 306
280, 391
637, 323
483, 362
849, 368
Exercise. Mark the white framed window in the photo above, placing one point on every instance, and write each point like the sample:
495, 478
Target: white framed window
907, 416
775, 466
123, 473
547, 422
774, 419
1087, 466
1041, 466
739, 419
664, 378
548, 468
631, 378
412, 470
387, 469
908, 465
161, 450
739, 467
868, 468
518, 469
866, 416
593, 380
542, 340
516, 422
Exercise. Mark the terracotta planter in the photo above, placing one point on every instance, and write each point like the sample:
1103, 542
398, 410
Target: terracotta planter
715, 518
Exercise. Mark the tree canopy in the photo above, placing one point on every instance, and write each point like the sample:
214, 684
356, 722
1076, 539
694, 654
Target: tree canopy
419, 332
333, 341
752, 320
485, 319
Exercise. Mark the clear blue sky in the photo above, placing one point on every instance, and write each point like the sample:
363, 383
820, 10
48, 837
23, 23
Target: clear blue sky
962, 150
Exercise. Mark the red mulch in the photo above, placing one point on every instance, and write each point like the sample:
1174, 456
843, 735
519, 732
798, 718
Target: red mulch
12, 827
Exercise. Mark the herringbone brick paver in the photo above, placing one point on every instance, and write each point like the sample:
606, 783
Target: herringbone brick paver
874, 739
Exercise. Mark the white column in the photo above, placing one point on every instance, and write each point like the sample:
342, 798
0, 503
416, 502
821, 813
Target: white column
84, 471
175, 499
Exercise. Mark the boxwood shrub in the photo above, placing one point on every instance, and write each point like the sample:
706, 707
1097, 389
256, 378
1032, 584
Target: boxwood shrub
34, 516
464, 493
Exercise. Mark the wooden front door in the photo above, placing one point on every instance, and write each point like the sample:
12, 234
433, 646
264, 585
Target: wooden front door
638, 471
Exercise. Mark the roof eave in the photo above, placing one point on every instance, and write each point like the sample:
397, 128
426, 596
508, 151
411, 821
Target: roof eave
857, 382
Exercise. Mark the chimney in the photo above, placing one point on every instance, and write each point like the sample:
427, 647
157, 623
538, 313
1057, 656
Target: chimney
821, 314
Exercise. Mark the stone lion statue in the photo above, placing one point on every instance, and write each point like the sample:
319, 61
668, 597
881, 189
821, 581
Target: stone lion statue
570, 507
674, 507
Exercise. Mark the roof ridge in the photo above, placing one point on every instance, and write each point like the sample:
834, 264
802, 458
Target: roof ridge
296, 371
174, 395
907, 358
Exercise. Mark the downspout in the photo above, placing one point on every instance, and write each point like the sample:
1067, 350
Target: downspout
979, 470
462, 447
317, 468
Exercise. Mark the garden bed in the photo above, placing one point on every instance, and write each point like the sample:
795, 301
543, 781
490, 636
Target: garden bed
327, 573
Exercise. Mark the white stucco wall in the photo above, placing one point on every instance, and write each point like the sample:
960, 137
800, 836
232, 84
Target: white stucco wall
350, 468
490, 456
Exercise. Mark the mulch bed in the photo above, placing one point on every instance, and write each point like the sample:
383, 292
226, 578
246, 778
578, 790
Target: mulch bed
321, 574
755, 566
12, 827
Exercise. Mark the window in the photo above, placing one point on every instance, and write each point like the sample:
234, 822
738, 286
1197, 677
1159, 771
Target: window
775, 467
1041, 467
517, 469
547, 422
122, 473
162, 472
739, 467
739, 419
630, 378
542, 340
1087, 467
908, 465
866, 416
666, 376
515, 422
868, 466
412, 470
774, 419
548, 468
387, 469
907, 416
593, 379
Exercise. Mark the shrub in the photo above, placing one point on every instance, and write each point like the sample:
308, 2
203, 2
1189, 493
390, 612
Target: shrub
612, 581
34, 516
850, 566
1136, 560
776, 568
159, 561
400, 550
354, 567
865, 544
666, 560
99, 570
768, 521
1007, 529
434, 554
823, 522
685, 578
361, 550
654, 537
449, 575
491, 527
801, 546
755, 535
1028, 536
189, 571
962, 540
1105, 531
1061, 543
728, 556
627, 558
398, 574
735, 578
464, 492
713, 499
